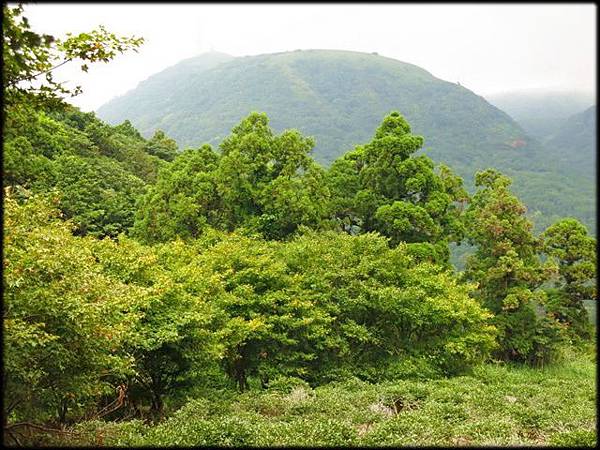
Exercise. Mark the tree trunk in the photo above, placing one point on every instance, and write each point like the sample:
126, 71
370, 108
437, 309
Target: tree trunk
62, 411
157, 403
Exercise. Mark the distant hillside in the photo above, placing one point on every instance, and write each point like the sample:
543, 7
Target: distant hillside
540, 111
574, 142
339, 97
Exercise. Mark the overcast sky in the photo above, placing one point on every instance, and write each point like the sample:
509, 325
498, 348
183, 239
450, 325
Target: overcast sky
487, 48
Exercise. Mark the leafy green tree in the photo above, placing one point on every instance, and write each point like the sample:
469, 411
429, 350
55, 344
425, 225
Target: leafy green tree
48, 136
46, 139
269, 183
173, 341
162, 146
568, 242
268, 324
383, 187
24, 167
183, 200
383, 309
128, 129
260, 182
509, 272
65, 320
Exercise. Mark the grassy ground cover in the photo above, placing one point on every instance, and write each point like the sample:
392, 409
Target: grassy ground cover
495, 405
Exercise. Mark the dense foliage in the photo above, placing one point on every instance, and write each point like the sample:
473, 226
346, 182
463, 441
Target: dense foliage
259, 181
139, 281
65, 320
383, 187
509, 272
99, 170
568, 242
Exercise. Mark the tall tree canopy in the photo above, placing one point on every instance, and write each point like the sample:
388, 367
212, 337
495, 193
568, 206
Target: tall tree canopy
508, 270
383, 187
261, 182
567, 241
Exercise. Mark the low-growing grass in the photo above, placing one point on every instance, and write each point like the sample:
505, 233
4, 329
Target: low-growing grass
497, 404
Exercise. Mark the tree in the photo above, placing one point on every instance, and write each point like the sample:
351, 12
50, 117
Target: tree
65, 320
260, 182
269, 327
269, 183
567, 241
183, 200
174, 339
162, 146
383, 187
384, 310
509, 272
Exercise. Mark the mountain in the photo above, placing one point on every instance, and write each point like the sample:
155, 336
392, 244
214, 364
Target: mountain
340, 97
337, 96
541, 111
574, 142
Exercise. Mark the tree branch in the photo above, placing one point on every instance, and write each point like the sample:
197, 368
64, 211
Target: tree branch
38, 427
32, 77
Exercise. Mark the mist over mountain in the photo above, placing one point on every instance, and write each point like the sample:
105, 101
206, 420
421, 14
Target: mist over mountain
541, 111
339, 97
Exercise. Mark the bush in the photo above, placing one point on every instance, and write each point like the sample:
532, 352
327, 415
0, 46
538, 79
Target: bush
578, 438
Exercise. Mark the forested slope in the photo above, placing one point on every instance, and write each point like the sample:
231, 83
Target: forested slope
574, 142
541, 112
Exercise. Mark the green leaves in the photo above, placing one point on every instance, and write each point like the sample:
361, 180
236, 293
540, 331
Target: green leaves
509, 273
161, 146
383, 187
65, 320
260, 183
98, 45
568, 243
29, 56
382, 306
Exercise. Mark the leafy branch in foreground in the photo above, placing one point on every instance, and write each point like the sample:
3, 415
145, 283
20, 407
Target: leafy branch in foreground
31, 58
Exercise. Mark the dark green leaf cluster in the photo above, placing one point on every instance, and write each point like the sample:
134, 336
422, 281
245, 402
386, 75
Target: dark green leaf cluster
99, 170
382, 187
260, 182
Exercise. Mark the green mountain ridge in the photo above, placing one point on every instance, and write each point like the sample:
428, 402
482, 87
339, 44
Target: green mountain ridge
339, 97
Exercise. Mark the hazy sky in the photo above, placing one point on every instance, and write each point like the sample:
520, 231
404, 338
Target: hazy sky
487, 48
